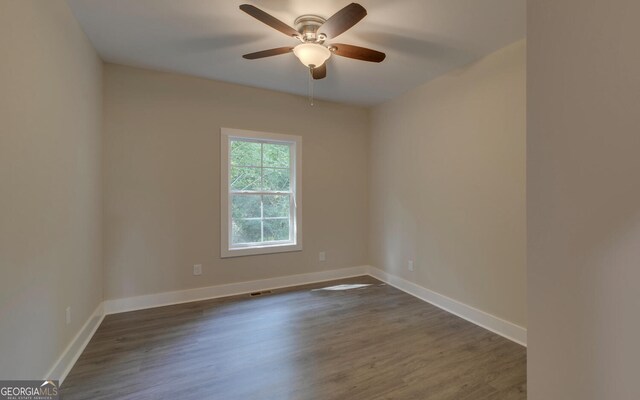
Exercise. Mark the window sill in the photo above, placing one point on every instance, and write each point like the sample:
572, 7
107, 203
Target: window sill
254, 251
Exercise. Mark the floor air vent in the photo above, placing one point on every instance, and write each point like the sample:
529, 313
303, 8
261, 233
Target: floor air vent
254, 294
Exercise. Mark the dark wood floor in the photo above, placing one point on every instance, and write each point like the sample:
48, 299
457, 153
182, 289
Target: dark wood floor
369, 343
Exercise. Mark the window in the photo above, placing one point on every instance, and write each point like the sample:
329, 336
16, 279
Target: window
261, 209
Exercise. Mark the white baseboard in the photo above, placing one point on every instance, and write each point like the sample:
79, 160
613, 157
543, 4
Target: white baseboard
495, 324
485, 320
73, 351
232, 289
70, 355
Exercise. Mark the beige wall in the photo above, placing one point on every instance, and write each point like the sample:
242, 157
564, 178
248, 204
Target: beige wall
447, 185
583, 199
50, 178
162, 180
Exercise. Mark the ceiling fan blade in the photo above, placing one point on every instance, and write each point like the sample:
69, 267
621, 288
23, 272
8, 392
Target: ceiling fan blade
268, 53
319, 72
359, 53
344, 19
268, 19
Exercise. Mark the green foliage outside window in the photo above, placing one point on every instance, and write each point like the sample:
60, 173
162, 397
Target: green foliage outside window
263, 168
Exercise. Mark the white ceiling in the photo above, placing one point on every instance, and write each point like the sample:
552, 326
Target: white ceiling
207, 38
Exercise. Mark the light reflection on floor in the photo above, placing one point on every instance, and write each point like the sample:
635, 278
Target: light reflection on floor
344, 287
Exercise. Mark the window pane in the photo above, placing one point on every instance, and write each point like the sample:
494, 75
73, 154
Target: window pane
246, 231
276, 155
276, 179
245, 206
276, 229
246, 154
260, 180
245, 178
276, 206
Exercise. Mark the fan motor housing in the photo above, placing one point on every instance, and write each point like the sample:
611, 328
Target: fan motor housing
308, 26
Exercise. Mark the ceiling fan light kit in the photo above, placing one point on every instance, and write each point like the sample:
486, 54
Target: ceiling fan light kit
313, 31
312, 55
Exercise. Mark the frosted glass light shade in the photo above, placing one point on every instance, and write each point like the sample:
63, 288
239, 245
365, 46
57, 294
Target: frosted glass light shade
311, 54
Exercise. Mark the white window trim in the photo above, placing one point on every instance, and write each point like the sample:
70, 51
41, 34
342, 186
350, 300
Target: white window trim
226, 134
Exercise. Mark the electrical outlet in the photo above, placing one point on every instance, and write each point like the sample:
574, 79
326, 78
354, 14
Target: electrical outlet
67, 314
410, 265
322, 256
197, 269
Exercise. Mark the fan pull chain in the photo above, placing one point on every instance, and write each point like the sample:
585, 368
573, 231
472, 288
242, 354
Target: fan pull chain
311, 86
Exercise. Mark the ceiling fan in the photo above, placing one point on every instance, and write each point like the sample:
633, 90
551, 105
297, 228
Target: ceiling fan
313, 32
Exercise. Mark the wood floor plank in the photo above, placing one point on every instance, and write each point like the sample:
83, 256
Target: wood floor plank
368, 343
